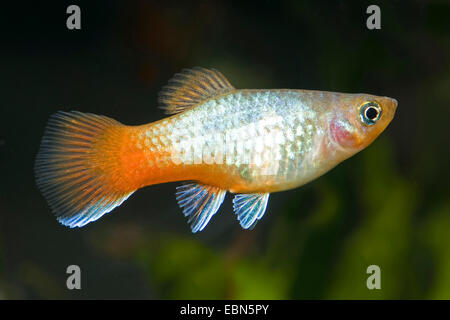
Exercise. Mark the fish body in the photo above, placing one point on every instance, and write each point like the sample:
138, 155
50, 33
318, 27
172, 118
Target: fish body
248, 142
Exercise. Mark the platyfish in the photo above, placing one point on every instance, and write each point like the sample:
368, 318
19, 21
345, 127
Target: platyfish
217, 139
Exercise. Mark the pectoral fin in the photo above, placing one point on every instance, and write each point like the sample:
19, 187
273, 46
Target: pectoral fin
249, 208
199, 203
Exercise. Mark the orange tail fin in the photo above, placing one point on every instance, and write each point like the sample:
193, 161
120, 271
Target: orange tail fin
78, 169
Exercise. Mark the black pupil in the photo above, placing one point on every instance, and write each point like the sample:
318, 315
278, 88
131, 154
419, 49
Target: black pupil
371, 113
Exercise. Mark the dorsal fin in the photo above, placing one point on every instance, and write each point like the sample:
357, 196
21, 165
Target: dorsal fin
190, 87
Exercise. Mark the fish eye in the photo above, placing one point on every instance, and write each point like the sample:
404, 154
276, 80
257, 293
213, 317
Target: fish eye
370, 112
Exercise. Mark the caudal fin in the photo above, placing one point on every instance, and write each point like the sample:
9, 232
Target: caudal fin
78, 169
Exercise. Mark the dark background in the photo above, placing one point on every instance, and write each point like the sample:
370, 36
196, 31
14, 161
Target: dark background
388, 205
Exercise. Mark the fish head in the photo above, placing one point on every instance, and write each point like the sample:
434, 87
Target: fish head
356, 120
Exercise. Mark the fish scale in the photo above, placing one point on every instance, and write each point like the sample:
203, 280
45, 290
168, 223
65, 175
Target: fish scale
270, 131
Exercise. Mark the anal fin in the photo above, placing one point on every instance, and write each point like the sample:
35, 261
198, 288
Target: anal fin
199, 203
250, 208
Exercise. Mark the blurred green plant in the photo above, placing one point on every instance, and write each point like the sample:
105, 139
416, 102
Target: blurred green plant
435, 235
384, 236
184, 267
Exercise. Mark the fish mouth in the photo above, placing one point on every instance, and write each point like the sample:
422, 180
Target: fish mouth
391, 109
394, 104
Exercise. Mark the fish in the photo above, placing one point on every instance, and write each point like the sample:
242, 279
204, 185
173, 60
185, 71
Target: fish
216, 139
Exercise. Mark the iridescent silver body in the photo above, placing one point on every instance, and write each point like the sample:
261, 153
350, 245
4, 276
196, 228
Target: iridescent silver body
262, 140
